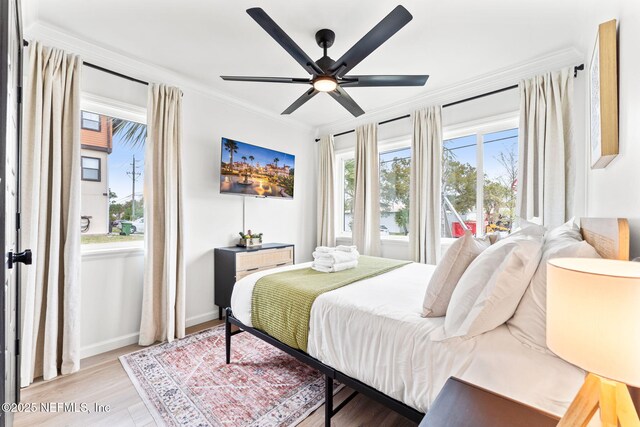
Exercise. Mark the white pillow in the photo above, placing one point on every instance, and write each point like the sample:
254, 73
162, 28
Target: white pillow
449, 271
528, 228
528, 324
491, 288
568, 230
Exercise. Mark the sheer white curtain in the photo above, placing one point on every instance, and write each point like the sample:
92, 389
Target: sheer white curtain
425, 204
51, 215
163, 303
546, 170
366, 207
326, 193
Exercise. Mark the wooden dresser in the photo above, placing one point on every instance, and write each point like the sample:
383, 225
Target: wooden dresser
233, 263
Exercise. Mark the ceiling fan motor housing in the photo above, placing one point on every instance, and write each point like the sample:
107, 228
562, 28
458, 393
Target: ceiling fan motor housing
325, 38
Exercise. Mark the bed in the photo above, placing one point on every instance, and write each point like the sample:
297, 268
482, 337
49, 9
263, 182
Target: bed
370, 336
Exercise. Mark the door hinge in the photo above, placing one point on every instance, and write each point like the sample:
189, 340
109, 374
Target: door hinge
18, 225
17, 352
19, 95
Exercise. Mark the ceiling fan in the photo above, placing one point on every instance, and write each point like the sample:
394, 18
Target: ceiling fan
331, 76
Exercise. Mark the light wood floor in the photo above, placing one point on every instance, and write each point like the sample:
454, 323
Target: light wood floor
102, 380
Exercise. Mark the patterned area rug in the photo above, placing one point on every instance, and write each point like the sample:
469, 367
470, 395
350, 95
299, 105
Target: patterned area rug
187, 383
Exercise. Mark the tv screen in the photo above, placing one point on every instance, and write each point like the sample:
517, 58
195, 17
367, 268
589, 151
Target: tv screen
250, 170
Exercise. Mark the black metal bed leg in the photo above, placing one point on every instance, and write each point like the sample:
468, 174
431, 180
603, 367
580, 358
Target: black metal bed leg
227, 336
328, 400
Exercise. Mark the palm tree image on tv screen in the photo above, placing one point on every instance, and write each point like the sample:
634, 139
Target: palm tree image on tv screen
250, 170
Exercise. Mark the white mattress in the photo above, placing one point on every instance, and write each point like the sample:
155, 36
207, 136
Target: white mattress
372, 330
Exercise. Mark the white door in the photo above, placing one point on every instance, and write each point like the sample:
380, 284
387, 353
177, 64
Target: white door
10, 115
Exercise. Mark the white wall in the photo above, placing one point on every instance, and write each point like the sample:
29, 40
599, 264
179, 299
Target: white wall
112, 278
615, 190
214, 220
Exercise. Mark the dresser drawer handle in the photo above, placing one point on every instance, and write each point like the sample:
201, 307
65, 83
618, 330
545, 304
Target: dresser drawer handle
281, 264
254, 269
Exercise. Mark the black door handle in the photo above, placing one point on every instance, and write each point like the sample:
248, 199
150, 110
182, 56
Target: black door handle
24, 257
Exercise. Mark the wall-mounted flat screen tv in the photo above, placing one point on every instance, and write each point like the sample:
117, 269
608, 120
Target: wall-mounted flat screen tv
250, 170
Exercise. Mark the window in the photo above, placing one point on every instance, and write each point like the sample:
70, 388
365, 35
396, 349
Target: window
90, 169
395, 173
348, 183
479, 176
90, 121
395, 167
112, 202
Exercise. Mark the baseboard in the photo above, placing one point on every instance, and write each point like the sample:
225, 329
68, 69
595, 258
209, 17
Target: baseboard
201, 318
108, 345
125, 340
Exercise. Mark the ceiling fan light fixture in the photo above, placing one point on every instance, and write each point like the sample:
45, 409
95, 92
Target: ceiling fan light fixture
325, 84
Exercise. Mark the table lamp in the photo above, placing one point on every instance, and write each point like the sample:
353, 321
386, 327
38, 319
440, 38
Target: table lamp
593, 321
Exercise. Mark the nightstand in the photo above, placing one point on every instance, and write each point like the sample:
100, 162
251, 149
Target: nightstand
461, 404
233, 263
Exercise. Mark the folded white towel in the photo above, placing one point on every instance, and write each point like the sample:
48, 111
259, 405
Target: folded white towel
324, 249
336, 267
337, 256
344, 248
324, 262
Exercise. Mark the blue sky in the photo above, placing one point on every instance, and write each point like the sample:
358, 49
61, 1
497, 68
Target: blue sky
262, 155
119, 164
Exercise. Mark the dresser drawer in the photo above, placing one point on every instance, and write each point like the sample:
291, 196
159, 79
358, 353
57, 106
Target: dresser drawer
242, 274
269, 258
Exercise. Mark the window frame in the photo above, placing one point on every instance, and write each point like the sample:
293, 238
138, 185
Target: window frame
112, 108
82, 168
346, 154
480, 128
82, 119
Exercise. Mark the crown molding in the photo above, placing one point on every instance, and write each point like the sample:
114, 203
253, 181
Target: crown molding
98, 54
500, 78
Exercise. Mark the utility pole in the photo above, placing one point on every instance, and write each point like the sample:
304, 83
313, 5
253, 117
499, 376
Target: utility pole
134, 177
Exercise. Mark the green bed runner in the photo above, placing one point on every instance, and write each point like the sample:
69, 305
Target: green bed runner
281, 302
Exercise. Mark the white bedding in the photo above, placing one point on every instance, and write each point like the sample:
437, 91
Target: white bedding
372, 330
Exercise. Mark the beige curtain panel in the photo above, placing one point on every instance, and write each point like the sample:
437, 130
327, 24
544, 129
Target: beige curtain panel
546, 172
163, 302
50, 177
326, 204
366, 205
425, 206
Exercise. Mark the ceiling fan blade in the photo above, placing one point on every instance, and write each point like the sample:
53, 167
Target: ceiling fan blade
372, 81
391, 24
266, 79
278, 34
300, 101
346, 101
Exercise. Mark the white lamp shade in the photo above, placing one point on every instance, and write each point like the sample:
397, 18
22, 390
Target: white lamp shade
593, 315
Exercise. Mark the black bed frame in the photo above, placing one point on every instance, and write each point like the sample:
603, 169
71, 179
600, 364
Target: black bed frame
330, 374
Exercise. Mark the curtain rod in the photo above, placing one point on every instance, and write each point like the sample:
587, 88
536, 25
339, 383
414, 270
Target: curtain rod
451, 104
105, 70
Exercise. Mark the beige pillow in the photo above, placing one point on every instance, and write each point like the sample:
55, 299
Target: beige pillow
449, 271
491, 288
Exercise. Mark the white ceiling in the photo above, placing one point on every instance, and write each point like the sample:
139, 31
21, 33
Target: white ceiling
452, 41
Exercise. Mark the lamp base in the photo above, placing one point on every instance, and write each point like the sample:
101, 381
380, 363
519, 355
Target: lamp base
611, 397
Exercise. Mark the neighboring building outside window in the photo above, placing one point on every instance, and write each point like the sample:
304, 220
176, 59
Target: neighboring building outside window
91, 169
112, 203
91, 121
